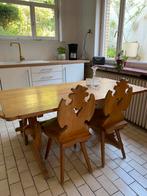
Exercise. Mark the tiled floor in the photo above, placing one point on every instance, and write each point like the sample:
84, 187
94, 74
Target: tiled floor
20, 175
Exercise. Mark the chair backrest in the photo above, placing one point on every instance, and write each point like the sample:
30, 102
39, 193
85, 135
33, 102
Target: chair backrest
73, 116
115, 104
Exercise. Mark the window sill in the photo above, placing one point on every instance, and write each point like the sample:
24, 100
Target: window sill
141, 65
28, 38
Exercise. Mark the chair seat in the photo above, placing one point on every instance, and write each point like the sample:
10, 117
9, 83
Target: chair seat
98, 119
52, 129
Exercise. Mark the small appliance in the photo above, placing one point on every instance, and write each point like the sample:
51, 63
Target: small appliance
73, 48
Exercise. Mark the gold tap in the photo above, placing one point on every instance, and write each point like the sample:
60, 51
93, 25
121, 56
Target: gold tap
21, 58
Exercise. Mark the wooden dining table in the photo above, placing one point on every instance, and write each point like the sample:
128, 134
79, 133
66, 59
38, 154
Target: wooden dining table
30, 103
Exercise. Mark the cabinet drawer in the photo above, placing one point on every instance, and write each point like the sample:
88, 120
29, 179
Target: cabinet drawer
46, 76
45, 69
42, 83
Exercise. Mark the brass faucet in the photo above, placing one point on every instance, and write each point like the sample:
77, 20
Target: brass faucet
21, 58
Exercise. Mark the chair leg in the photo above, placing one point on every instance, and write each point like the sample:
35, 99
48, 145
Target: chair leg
61, 164
82, 144
48, 147
26, 139
75, 146
23, 123
120, 143
103, 148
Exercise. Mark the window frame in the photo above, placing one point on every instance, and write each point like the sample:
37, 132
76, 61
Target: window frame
120, 26
32, 6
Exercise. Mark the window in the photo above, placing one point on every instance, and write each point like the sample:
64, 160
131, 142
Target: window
28, 18
125, 28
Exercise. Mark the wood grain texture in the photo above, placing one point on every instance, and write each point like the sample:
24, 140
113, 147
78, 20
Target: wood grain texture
108, 120
70, 126
35, 101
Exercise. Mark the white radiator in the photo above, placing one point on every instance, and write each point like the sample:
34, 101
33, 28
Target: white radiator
137, 111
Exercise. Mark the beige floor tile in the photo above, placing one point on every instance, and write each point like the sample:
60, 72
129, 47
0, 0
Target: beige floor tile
34, 168
112, 164
4, 188
138, 167
40, 183
16, 189
54, 162
22, 165
107, 184
26, 179
57, 172
1, 159
138, 189
118, 194
124, 176
139, 178
136, 158
110, 173
46, 193
126, 190
3, 174
70, 189
1, 151
10, 162
91, 182
55, 186
80, 167
85, 190
101, 192
68, 165
31, 191
18, 153
29, 156
76, 178
13, 176
7, 151
118, 177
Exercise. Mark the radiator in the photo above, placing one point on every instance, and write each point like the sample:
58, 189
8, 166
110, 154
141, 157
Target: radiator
137, 111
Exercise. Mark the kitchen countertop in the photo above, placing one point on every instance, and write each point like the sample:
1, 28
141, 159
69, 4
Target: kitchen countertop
126, 70
12, 64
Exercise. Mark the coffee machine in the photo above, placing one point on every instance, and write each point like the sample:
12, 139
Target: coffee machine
73, 48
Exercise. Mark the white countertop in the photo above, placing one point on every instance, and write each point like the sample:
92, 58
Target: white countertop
26, 63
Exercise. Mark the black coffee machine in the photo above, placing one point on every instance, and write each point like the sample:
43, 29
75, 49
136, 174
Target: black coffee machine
73, 48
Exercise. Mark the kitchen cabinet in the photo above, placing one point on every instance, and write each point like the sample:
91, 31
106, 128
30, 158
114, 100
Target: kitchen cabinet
39, 75
44, 75
11, 78
73, 72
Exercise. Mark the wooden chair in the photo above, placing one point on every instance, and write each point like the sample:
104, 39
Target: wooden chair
108, 120
70, 126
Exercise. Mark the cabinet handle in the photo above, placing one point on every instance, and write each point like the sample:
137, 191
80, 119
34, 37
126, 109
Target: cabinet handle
46, 78
1, 86
45, 70
65, 74
28, 77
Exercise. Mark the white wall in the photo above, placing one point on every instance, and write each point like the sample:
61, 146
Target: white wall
77, 17
87, 21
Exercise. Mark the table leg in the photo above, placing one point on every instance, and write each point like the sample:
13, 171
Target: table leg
37, 145
21, 128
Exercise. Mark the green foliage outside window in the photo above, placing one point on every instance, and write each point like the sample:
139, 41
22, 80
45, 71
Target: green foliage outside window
15, 20
111, 52
43, 1
8, 14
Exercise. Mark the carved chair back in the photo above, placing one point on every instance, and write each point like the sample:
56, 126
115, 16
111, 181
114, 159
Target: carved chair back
115, 104
72, 117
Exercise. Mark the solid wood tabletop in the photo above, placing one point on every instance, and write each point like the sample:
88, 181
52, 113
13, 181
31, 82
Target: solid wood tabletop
35, 101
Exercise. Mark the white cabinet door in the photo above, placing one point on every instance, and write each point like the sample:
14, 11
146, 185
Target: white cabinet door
74, 72
12, 78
